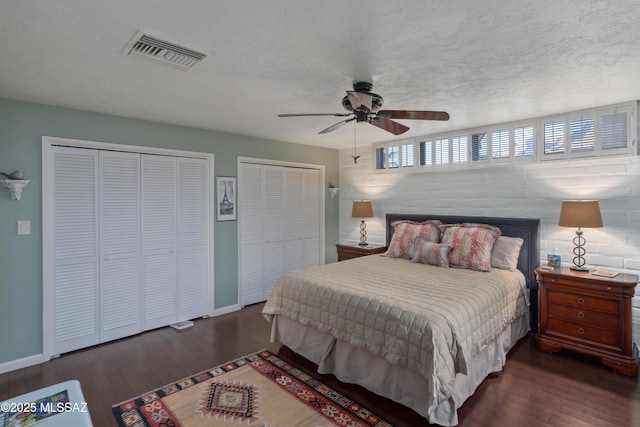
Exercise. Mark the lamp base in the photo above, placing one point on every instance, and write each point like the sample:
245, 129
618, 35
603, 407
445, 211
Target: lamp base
575, 268
363, 244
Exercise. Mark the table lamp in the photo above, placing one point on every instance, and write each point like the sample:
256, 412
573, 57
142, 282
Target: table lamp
580, 214
362, 209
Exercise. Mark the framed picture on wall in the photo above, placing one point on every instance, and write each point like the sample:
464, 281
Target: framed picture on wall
226, 198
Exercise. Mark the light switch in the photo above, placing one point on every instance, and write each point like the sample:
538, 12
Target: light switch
24, 227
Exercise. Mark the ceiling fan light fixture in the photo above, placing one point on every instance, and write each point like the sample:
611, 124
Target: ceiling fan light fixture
363, 105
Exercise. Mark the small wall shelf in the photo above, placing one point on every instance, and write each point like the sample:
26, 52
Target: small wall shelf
15, 186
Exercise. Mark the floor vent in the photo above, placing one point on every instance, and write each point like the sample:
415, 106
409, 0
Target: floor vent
152, 49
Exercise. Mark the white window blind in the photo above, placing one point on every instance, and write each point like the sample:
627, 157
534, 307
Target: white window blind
459, 153
406, 151
479, 147
381, 155
441, 151
394, 157
426, 153
500, 144
582, 134
613, 130
554, 138
523, 142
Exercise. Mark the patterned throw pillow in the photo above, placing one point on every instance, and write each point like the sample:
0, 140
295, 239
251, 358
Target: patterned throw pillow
427, 252
472, 244
406, 232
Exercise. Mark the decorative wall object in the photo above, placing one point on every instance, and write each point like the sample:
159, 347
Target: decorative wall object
226, 198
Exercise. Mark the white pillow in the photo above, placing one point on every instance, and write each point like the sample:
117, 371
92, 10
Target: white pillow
505, 252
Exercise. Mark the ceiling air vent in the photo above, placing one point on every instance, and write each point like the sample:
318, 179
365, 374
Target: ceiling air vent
152, 49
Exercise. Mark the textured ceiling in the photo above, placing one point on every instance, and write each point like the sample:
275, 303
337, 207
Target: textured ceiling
485, 61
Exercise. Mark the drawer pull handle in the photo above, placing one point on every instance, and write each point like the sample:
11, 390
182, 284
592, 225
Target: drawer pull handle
580, 315
580, 331
580, 300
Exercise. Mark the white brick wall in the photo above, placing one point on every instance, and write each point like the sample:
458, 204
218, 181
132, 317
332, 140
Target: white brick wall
525, 190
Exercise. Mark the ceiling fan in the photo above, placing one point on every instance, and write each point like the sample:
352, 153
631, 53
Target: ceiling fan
365, 105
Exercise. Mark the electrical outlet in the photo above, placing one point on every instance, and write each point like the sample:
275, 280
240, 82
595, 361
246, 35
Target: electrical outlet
24, 227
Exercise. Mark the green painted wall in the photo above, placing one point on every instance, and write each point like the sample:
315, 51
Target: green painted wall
22, 126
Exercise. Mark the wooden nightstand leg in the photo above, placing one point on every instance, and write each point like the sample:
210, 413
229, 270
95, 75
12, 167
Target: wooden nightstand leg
546, 346
624, 369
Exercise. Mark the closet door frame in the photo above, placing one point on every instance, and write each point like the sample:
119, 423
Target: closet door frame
266, 162
48, 143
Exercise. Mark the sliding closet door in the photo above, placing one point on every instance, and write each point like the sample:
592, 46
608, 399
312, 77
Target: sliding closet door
193, 231
159, 217
119, 244
75, 259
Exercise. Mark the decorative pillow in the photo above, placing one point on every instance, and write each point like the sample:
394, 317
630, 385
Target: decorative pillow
427, 252
505, 253
405, 233
472, 244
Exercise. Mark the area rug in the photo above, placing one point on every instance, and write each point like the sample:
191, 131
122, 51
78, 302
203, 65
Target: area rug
259, 390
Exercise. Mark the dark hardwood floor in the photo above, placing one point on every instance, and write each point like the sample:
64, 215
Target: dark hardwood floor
534, 389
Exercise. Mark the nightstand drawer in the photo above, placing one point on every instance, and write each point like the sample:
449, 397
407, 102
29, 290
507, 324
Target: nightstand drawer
581, 316
581, 300
585, 332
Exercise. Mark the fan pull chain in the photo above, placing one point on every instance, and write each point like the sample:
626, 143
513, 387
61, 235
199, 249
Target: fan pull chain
355, 146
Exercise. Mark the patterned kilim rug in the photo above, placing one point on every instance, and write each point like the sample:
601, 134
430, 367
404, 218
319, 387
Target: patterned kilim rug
258, 390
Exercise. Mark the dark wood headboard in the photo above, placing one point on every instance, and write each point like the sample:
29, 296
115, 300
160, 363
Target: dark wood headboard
526, 228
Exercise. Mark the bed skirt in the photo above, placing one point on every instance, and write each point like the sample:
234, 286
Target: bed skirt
352, 365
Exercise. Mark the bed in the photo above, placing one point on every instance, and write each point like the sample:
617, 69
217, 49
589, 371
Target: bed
409, 330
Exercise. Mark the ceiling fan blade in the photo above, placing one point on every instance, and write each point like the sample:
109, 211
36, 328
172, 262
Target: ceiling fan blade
415, 115
337, 125
388, 125
314, 114
360, 100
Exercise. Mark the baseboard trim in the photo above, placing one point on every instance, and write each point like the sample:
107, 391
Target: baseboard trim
226, 310
25, 362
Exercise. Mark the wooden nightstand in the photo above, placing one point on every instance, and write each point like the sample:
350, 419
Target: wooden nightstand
589, 314
353, 250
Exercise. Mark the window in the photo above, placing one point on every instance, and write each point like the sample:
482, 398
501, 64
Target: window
605, 131
479, 147
613, 130
459, 152
407, 155
426, 153
500, 144
394, 157
441, 151
381, 157
523, 141
554, 137
582, 135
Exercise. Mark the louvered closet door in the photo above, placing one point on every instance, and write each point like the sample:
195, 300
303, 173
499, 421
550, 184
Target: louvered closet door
311, 217
159, 275
273, 228
293, 218
119, 244
279, 225
193, 214
75, 249
251, 229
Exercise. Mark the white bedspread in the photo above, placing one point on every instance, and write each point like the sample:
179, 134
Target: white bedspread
426, 318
